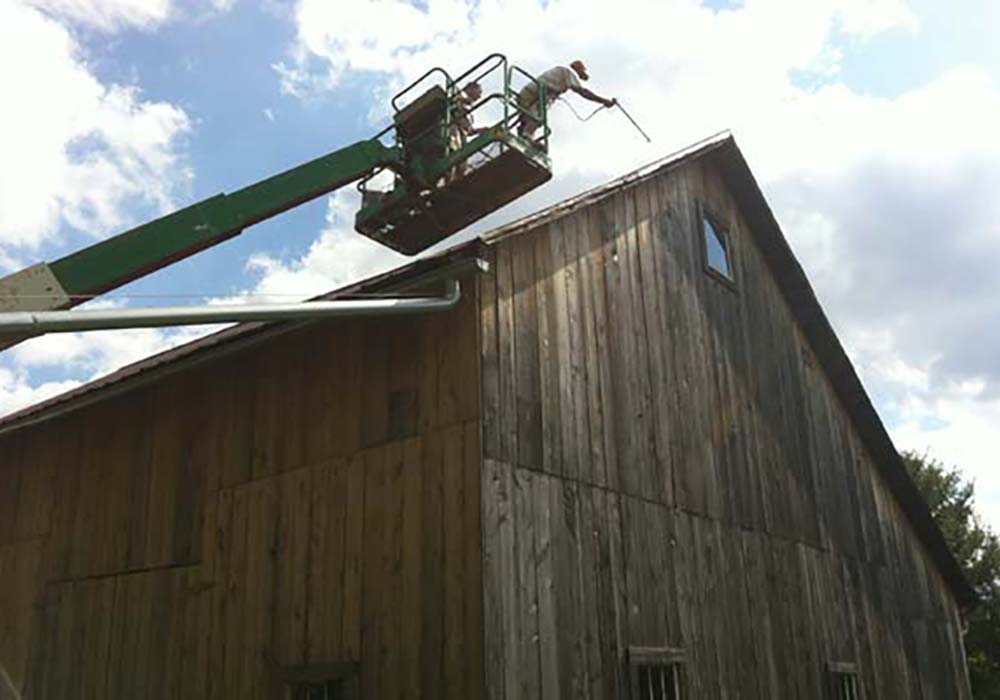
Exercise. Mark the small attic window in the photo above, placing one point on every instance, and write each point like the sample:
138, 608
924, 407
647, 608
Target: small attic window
655, 673
331, 681
843, 680
717, 259
323, 690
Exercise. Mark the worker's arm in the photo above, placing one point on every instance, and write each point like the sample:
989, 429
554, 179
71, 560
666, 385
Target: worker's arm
593, 96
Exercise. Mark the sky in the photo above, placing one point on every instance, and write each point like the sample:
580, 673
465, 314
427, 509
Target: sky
870, 125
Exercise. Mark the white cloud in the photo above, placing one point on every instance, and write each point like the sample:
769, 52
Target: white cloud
338, 257
17, 391
77, 358
76, 151
95, 353
868, 17
370, 35
683, 70
394, 36
959, 429
116, 15
107, 15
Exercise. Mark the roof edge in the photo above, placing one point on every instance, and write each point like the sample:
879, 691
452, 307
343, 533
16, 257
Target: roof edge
823, 340
230, 339
595, 194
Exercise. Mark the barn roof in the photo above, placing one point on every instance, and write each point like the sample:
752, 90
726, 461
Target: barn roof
721, 151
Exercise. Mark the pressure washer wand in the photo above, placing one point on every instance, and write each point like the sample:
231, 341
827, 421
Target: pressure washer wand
634, 123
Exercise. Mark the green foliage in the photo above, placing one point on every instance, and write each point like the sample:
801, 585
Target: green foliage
977, 549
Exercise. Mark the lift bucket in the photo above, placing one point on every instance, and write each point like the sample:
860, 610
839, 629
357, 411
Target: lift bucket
453, 176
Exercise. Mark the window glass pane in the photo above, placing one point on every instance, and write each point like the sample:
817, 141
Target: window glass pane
645, 683
654, 674
326, 690
715, 248
658, 682
675, 683
661, 690
847, 686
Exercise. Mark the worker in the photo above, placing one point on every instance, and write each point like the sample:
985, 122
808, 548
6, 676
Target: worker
464, 103
556, 80
462, 124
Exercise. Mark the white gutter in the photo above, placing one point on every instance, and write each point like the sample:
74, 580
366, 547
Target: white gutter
39, 322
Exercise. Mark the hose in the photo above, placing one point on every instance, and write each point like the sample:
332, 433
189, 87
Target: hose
602, 107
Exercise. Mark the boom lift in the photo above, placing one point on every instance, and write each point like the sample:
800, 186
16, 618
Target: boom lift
438, 182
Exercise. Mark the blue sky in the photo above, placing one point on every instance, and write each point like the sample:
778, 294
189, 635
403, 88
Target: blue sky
950, 34
868, 122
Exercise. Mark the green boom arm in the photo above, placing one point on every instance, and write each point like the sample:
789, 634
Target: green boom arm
144, 249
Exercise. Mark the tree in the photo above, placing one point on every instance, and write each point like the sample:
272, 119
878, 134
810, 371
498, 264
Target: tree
977, 549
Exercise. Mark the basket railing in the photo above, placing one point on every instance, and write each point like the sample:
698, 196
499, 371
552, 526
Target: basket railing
505, 100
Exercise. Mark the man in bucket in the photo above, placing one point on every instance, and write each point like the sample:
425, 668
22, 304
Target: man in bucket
556, 80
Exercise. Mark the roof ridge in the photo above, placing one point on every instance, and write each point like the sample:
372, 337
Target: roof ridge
641, 173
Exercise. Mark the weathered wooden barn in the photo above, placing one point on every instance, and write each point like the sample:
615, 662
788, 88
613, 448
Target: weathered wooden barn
633, 462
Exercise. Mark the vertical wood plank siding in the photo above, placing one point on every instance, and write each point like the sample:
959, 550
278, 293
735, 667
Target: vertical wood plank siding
666, 466
310, 500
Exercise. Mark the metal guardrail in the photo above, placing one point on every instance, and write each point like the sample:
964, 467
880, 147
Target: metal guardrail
509, 98
500, 60
448, 82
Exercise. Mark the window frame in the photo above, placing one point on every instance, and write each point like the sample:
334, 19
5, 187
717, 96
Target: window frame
296, 680
303, 690
706, 213
668, 657
837, 672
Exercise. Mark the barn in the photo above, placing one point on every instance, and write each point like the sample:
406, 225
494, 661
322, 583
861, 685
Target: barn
632, 460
